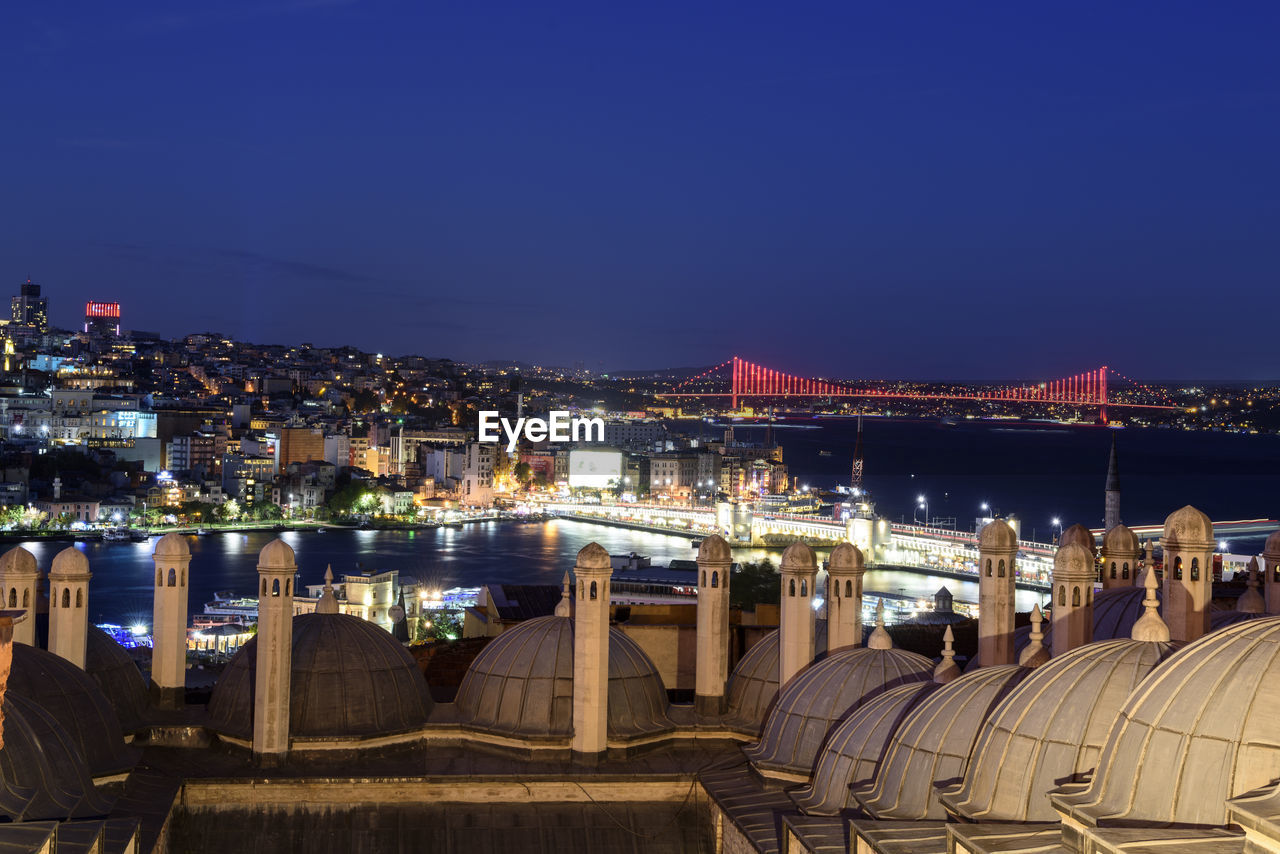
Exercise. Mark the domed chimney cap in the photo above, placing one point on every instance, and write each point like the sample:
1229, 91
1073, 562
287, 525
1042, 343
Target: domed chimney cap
277, 554
18, 561
70, 563
1188, 527
845, 557
714, 550
172, 545
879, 638
799, 557
1077, 533
1073, 561
593, 556
1121, 541
998, 535
1272, 547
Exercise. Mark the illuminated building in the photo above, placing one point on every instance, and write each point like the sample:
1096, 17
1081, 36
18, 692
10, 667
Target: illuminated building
102, 318
29, 308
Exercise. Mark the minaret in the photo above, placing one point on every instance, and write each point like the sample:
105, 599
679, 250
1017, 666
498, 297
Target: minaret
997, 553
714, 563
1034, 654
1073, 572
1251, 601
1188, 573
19, 577
592, 573
1119, 558
69, 605
171, 557
1271, 572
947, 669
844, 597
796, 617
1111, 512
276, 571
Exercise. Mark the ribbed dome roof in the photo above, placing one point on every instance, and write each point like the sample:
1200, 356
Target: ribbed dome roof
43, 774
933, 745
1188, 526
521, 684
1120, 540
118, 677
1051, 728
852, 752
822, 694
172, 545
1203, 731
997, 535
1080, 535
753, 684
349, 677
74, 700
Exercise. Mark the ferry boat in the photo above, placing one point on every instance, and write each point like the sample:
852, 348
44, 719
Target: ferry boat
116, 535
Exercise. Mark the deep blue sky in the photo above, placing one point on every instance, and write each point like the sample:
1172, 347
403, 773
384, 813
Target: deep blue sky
1018, 189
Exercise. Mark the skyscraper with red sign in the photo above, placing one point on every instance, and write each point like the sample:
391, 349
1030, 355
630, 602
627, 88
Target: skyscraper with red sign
102, 318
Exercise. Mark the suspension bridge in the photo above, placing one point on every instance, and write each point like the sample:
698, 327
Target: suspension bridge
738, 378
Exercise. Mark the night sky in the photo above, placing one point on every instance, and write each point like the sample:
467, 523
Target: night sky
950, 189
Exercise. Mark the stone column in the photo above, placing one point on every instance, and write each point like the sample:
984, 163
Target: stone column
19, 578
276, 571
714, 563
844, 597
69, 605
997, 555
795, 614
171, 558
592, 574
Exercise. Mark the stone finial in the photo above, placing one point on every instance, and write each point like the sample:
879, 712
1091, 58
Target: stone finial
1149, 627
1034, 653
947, 668
562, 607
880, 638
328, 603
1251, 602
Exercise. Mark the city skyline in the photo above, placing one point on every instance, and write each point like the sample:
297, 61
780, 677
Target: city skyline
937, 187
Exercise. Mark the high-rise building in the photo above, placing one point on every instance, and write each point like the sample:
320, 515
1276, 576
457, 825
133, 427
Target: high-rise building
102, 318
29, 308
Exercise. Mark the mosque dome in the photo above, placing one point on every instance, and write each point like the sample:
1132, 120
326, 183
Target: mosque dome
69, 563
854, 747
933, 745
43, 773
1272, 546
17, 561
593, 556
1121, 540
1200, 734
1080, 535
172, 545
349, 677
118, 677
753, 684
521, 684
73, 699
1055, 723
1188, 526
714, 548
811, 703
997, 535
276, 554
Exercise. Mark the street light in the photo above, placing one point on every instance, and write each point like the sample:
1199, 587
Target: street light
921, 501
1057, 526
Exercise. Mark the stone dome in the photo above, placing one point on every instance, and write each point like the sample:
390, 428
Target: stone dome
1204, 731
1054, 726
172, 545
1120, 540
933, 745
1079, 535
118, 677
593, 556
18, 561
799, 555
348, 678
521, 684
73, 699
714, 548
846, 557
1272, 546
276, 554
997, 535
753, 684
69, 563
43, 773
852, 752
1073, 562
824, 693
1188, 526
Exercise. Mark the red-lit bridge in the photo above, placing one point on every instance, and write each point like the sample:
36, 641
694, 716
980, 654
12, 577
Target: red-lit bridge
738, 378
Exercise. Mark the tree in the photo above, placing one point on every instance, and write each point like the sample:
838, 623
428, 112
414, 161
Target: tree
229, 510
755, 584
349, 499
523, 473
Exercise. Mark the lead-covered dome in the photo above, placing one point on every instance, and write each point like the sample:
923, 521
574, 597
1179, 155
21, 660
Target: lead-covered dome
74, 700
521, 684
43, 773
933, 745
348, 678
852, 752
1202, 732
1051, 728
753, 684
117, 676
819, 696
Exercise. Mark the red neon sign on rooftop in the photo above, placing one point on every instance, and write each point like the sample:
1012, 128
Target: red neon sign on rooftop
102, 309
